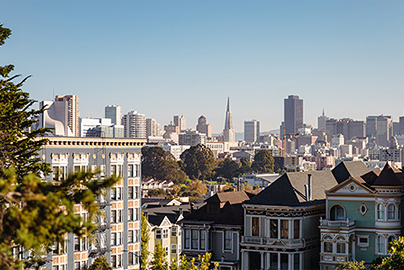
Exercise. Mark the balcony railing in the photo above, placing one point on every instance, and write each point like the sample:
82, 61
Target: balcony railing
337, 223
274, 241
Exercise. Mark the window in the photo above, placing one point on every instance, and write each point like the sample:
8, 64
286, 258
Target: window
130, 214
166, 250
328, 247
187, 242
119, 215
380, 211
255, 226
119, 239
130, 236
202, 240
113, 261
119, 172
113, 239
130, 170
76, 244
195, 239
228, 240
113, 169
119, 193
274, 260
119, 261
83, 265
340, 248
296, 229
173, 231
284, 229
137, 235
113, 193
77, 266
173, 248
273, 227
380, 244
284, 261
165, 233
337, 212
83, 244
391, 212
113, 216
130, 192
130, 258
363, 240
58, 173
390, 242
137, 192
296, 261
158, 234
137, 213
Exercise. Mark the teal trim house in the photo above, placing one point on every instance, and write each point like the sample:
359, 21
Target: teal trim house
363, 214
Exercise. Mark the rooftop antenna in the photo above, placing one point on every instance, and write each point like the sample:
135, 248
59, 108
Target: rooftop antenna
53, 92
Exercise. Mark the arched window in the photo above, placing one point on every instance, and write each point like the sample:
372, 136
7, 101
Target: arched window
391, 212
380, 244
328, 243
337, 212
341, 245
380, 211
390, 241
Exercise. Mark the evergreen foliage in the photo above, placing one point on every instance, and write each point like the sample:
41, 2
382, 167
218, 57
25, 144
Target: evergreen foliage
159, 261
396, 258
228, 169
263, 162
161, 165
100, 264
144, 238
198, 162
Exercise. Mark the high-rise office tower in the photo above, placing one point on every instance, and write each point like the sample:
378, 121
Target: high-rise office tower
321, 122
114, 112
229, 134
62, 115
203, 126
251, 130
401, 125
378, 127
181, 122
134, 125
293, 115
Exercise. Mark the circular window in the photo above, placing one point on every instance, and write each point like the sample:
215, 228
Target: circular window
352, 188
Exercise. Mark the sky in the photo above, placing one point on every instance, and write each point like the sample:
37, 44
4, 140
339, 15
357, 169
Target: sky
165, 58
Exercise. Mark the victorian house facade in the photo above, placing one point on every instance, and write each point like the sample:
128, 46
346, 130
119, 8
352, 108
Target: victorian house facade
281, 222
363, 214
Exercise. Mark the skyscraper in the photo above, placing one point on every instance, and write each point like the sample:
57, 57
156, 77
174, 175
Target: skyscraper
228, 131
293, 116
378, 127
203, 126
134, 125
251, 130
181, 122
114, 112
321, 122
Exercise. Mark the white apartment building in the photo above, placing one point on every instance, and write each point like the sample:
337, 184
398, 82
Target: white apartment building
134, 125
191, 137
118, 234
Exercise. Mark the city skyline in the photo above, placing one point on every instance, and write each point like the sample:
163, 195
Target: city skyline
185, 58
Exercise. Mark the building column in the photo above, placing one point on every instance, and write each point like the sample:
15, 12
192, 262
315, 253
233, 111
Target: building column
290, 261
244, 259
268, 258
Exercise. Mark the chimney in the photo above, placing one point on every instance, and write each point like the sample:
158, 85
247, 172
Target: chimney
308, 188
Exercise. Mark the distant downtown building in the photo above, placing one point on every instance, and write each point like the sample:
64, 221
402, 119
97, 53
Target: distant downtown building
153, 128
181, 122
378, 127
134, 125
251, 130
293, 115
118, 233
114, 112
203, 126
229, 134
62, 115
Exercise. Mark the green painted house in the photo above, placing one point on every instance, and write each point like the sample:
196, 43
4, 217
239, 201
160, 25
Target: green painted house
363, 214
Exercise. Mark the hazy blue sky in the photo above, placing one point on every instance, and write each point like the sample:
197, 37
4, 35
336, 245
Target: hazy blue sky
163, 58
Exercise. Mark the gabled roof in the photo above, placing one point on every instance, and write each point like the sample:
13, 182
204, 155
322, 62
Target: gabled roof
156, 215
357, 180
349, 168
387, 177
231, 197
289, 189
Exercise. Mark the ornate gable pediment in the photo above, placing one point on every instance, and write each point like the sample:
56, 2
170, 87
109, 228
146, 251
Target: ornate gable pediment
351, 186
165, 222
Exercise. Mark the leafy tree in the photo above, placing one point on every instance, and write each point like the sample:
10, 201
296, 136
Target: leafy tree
228, 169
196, 188
245, 166
396, 259
159, 261
161, 165
245, 186
263, 162
100, 264
351, 266
144, 238
198, 162
159, 192
35, 214
182, 264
